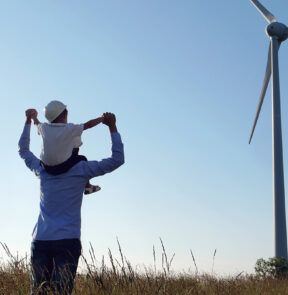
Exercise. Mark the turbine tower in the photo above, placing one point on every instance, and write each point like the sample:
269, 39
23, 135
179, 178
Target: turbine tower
277, 33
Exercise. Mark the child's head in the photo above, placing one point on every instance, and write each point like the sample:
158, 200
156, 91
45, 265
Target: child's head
56, 112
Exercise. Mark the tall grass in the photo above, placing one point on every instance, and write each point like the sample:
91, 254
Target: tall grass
119, 277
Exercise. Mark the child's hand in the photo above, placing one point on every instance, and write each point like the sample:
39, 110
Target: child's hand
34, 114
34, 117
30, 113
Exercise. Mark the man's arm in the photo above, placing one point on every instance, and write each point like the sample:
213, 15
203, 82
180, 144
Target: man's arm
97, 168
32, 162
109, 119
93, 123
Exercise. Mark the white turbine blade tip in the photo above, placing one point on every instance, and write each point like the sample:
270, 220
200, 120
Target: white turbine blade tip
266, 13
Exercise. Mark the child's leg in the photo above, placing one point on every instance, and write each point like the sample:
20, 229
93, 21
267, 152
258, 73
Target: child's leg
90, 188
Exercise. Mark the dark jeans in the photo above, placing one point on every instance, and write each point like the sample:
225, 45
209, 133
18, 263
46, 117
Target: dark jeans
54, 265
65, 166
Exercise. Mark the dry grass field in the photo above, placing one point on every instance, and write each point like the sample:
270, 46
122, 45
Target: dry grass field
120, 278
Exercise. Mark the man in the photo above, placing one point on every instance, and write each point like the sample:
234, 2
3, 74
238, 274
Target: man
56, 245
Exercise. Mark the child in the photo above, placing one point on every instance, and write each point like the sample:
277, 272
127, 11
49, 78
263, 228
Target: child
61, 141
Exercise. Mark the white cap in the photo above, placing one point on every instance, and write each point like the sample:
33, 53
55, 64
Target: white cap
53, 109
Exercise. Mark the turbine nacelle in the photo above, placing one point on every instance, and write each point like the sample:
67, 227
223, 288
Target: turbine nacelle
278, 30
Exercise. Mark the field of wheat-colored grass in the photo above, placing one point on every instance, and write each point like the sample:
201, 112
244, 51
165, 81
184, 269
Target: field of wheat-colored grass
118, 277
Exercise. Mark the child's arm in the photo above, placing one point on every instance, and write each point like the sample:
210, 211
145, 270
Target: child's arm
36, 121
93, 123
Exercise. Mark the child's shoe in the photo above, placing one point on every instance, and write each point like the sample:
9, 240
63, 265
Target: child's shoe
90, 189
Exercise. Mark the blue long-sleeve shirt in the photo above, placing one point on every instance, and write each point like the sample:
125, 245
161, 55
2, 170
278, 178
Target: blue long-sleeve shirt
61, 195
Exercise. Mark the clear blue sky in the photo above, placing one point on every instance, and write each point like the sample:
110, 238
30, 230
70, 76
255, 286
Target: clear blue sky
183, 78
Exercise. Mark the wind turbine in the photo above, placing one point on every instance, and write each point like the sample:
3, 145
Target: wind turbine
277, 33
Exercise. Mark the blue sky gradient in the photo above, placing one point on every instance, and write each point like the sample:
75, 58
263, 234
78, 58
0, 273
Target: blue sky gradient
183, 79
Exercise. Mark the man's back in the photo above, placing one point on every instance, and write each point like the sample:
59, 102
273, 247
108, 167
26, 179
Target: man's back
60, 204
61, 195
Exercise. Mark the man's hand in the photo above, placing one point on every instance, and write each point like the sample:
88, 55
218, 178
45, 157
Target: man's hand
31, 114
109, 119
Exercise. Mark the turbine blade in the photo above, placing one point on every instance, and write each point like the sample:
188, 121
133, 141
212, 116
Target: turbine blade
263, 92
264, 87
267, 14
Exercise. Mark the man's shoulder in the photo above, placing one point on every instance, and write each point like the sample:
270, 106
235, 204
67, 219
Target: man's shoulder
76, 172
83, 167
